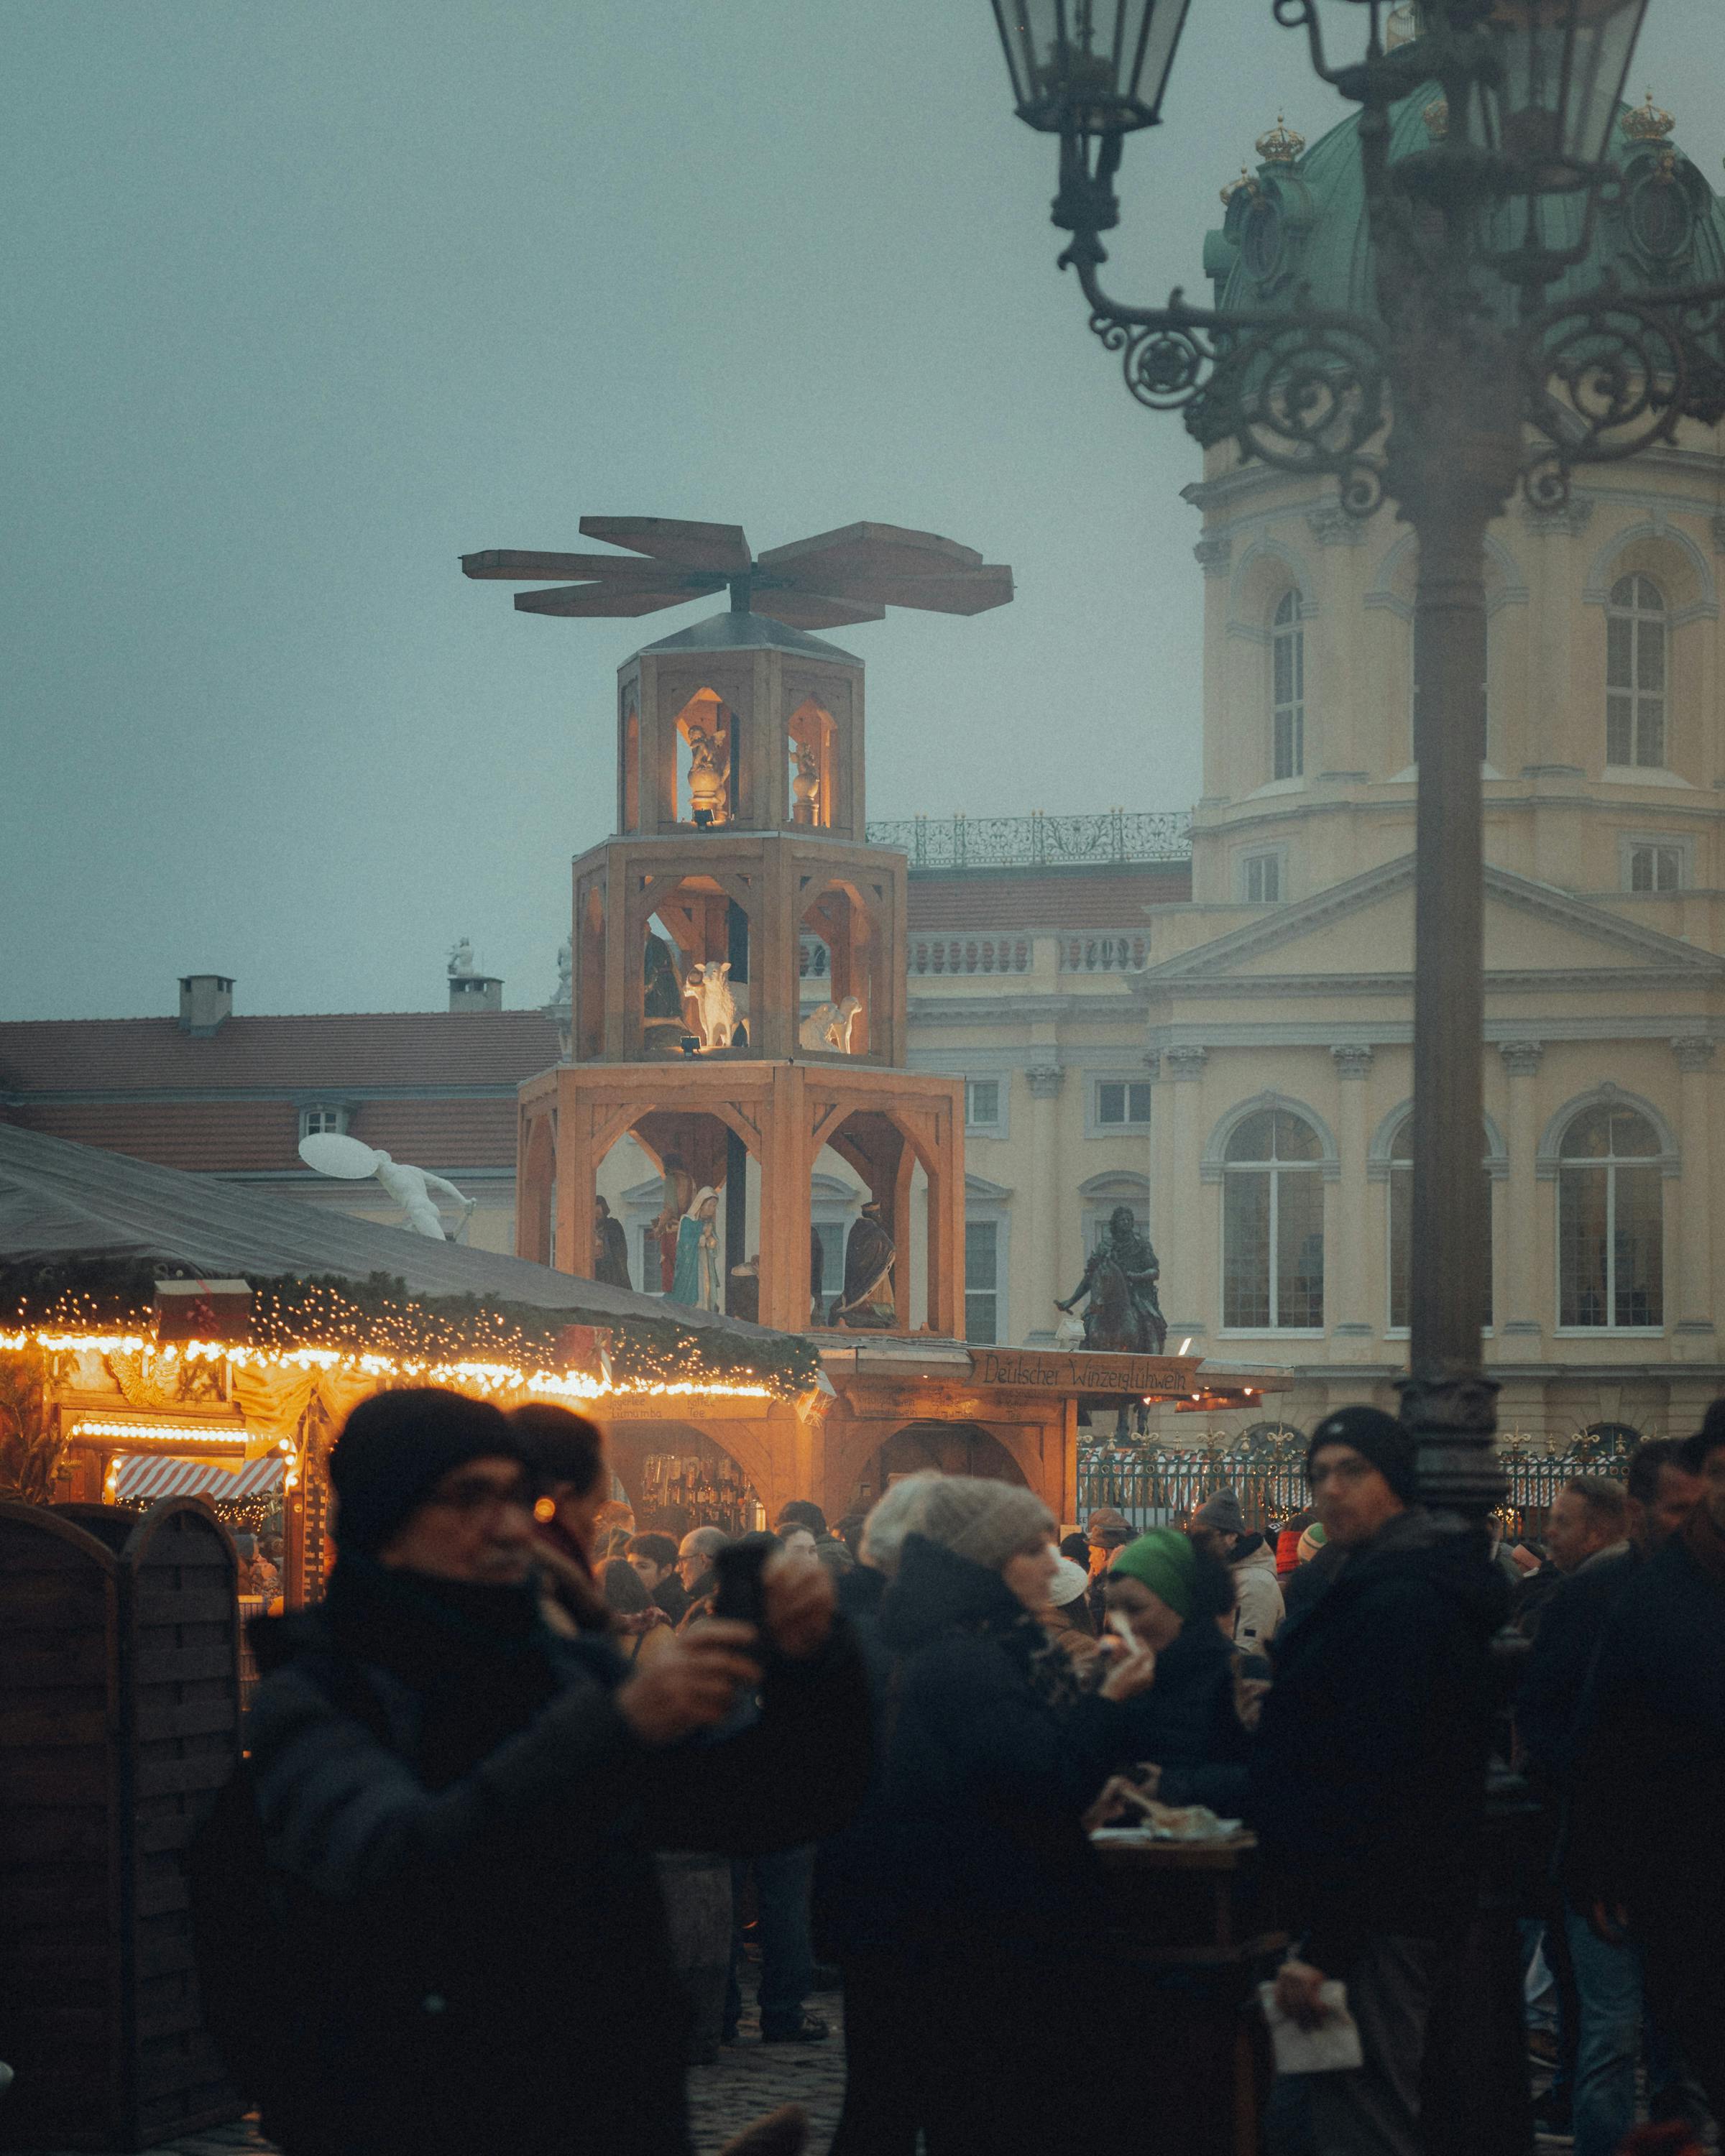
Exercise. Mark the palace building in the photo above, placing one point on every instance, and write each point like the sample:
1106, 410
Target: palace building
1259, 1050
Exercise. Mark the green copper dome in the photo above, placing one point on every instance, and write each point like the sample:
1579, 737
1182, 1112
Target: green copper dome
1302, 220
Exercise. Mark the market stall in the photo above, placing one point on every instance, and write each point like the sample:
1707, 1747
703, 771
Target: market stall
163, 1334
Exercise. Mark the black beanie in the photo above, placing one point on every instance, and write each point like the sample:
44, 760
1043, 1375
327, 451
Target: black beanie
395, 1446
1388, 1443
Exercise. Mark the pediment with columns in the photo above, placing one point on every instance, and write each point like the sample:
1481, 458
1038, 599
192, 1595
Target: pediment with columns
1358, 937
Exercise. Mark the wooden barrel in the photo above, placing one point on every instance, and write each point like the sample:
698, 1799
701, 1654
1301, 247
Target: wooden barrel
697, 1902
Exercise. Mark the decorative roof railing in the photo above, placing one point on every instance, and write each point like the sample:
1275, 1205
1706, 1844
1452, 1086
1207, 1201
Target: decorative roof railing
969, 954
1037, 840
1012, 951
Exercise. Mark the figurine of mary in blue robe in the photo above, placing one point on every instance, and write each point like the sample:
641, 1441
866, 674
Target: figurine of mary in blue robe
697, 1279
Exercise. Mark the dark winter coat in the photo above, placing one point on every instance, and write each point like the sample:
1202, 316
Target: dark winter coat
1368, 1775
460, 1824
1644, 1820
1186, 1722
971, 1841
1554, 1677
1306, 1586
673, 1597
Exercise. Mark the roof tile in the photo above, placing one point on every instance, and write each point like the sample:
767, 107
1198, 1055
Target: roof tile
430, 1049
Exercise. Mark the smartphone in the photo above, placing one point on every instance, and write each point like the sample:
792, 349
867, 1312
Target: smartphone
739, 1566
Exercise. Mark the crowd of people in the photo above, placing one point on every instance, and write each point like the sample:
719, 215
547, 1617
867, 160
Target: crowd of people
908, 1730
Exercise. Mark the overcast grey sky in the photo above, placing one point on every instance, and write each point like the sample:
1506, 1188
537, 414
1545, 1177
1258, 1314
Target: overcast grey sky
300, 302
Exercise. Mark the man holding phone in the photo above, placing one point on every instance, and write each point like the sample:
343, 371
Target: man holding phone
458, 1811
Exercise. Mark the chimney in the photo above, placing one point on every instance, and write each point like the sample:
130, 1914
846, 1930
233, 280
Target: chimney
475, 992
205, 1000
471, 991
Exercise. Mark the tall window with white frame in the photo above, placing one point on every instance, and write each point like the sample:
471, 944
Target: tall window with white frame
1637, 635
1287, 688
981, 1281
1401, 1233
1611, 1222
1273, 1225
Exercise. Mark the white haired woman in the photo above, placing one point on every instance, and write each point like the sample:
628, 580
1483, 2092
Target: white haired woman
970, 1858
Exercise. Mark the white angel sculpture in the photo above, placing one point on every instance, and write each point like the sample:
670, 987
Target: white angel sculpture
331, 1152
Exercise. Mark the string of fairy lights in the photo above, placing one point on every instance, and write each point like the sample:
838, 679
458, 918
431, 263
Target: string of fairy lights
464, 1373
377, 1338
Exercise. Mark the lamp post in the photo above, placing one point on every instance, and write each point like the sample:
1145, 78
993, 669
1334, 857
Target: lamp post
1462, 386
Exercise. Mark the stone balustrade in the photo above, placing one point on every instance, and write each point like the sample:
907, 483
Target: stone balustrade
1126, 952
969, 954
1101, 951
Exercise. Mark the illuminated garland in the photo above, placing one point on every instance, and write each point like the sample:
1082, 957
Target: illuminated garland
467, 1375
375, 1328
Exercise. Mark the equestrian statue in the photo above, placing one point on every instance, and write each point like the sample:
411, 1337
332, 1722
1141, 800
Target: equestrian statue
1123, 1317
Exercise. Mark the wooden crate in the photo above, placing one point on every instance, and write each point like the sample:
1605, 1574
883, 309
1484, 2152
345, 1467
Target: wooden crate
119, 1718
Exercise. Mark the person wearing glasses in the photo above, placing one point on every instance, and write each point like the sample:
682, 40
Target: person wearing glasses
459, 1807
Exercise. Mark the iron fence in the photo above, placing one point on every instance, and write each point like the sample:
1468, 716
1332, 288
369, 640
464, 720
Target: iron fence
1163, 1485
977, 842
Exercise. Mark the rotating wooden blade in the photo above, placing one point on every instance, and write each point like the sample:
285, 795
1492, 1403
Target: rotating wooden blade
601, 600
721, 549
800, 609
503, 563
970, 591
849, 559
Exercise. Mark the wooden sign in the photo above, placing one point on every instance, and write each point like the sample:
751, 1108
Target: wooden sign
1054, 1370
202, 1310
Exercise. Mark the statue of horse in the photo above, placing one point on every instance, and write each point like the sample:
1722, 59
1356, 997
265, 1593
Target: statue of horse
1113, 1323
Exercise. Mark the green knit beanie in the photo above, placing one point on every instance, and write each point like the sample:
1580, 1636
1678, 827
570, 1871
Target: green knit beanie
1165, 1563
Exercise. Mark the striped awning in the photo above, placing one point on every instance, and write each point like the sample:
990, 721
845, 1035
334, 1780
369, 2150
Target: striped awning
160, 1474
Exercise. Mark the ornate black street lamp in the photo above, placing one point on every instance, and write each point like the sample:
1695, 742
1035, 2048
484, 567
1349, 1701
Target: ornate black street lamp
1463, 385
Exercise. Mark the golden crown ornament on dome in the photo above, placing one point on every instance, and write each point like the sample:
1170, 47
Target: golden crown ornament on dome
1244, 185
1646, 123
1403, 26
1436, 116
1281, 145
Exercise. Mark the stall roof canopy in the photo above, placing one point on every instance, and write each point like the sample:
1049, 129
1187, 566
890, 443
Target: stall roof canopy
64, 1202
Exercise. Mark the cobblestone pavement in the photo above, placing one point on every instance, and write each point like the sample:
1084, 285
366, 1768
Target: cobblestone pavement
748, 2079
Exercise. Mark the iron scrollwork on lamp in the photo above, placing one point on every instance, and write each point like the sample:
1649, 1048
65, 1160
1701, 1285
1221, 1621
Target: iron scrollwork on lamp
1463, 376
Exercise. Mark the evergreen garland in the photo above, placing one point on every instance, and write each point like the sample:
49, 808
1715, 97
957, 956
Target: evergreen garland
378, 1314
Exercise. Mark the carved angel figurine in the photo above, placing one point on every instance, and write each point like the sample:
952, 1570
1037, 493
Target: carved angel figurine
805, 787
715, 1006
708, 768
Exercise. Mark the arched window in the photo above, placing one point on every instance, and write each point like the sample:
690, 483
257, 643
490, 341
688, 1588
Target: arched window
1287, 688
1273, 1225
1401, 1232
1636, 630
1610, 1221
